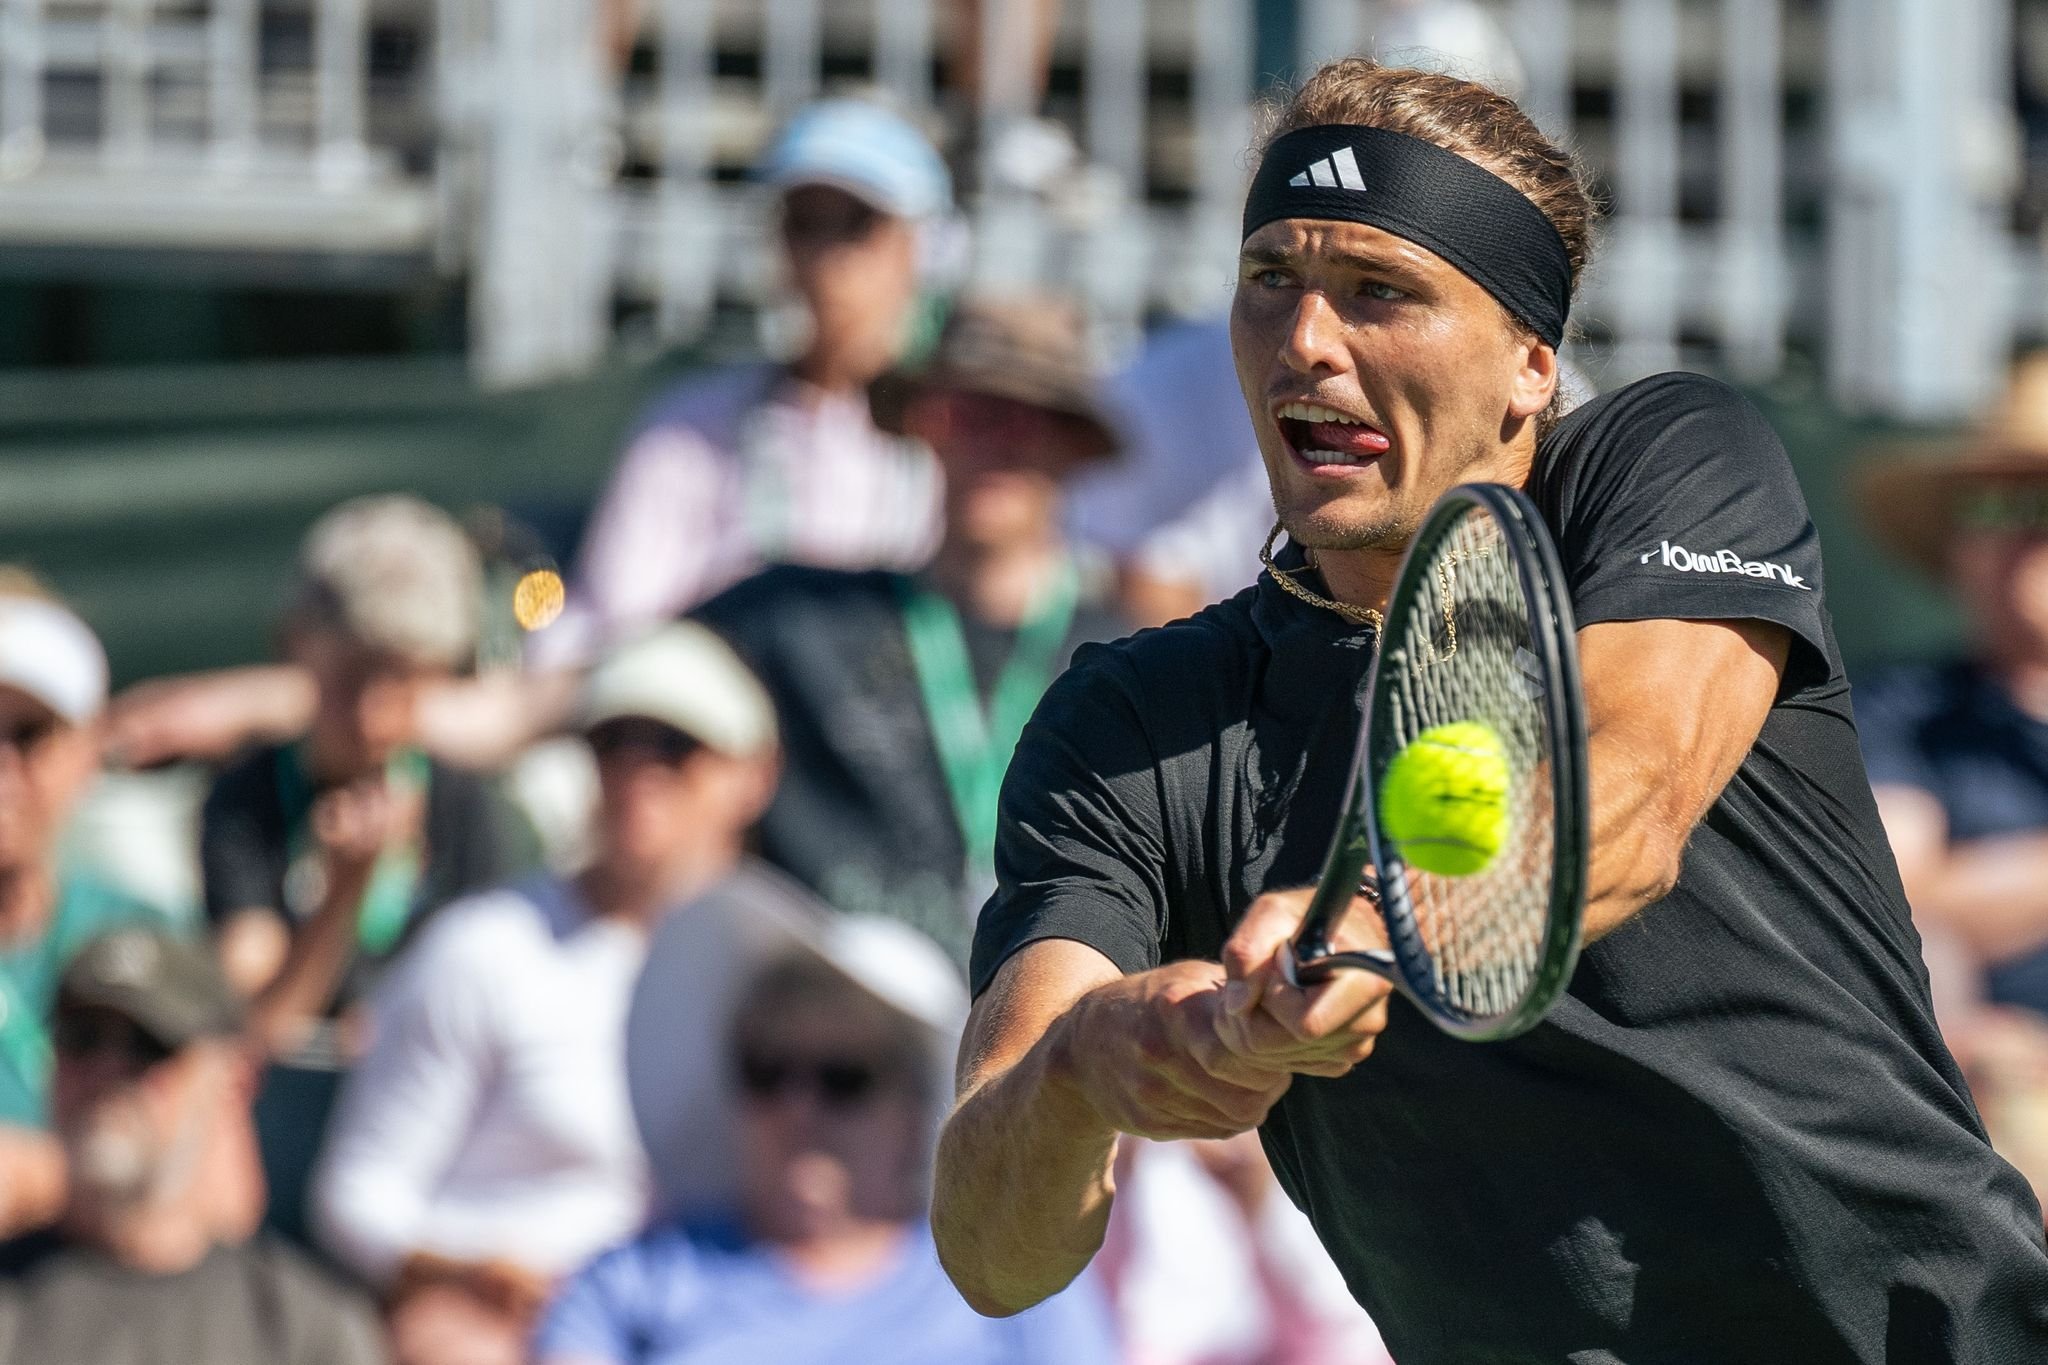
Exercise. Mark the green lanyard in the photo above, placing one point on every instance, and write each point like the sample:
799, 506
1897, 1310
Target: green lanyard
394, 879
975, 745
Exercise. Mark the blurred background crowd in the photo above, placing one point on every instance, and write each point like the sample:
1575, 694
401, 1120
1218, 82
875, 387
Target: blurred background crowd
530, 528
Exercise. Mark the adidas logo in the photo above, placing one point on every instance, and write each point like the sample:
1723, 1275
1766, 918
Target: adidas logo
1338, 169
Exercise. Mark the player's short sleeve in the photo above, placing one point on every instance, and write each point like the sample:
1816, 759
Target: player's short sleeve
1674, 498
1079, 852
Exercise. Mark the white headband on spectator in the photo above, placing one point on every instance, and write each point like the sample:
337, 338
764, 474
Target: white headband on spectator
53, 656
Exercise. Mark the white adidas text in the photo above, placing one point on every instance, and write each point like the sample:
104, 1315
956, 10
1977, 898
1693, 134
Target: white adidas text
1723, 561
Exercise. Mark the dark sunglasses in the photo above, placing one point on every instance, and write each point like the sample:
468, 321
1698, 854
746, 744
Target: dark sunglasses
843, 1083
664, 742
86, 1035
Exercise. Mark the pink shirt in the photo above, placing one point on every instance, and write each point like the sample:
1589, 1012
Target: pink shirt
740, 469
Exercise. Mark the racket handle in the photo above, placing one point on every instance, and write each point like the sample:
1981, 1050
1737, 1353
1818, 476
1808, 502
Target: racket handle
1297, 973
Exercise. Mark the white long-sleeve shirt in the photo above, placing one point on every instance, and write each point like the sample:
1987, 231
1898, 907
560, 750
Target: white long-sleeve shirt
490, 1117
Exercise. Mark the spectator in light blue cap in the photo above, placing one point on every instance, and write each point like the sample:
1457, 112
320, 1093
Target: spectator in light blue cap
773, 463
866, 150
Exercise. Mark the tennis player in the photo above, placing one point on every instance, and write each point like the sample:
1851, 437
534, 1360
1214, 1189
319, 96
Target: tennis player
1739, 1138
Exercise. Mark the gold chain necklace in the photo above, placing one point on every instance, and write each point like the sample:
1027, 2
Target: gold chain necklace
1357, 616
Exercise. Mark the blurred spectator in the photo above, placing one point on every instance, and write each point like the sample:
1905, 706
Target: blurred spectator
761, 464
486, 1144
902, 696
1184, 512
698, 963
1958, 752
840, 1070
1209, 1264
319, 855
53, 684
157, 1257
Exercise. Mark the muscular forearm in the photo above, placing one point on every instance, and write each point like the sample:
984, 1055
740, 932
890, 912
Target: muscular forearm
1024, 1185
1062, 1053
1662, 743
1635, 838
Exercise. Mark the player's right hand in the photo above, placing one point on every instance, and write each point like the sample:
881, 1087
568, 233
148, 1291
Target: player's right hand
1147, 1055
1320, 1030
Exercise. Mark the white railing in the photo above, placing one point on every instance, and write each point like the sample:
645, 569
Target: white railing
500, 155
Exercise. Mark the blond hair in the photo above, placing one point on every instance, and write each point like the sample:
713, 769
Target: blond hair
1479, 124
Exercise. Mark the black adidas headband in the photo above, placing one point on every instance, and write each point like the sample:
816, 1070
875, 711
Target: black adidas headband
1434, 198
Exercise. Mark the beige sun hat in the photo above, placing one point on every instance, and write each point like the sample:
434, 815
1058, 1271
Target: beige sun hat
1913, 493
396, 574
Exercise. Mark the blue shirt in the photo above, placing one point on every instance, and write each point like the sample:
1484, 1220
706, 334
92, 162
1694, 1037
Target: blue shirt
696, 1294
1952, 732
29, 973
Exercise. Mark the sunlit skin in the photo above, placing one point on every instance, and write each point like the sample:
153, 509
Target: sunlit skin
367, 704
1348, 317
855, 269
811, 1171
45, 765
2001, 576
670, 812
1004, 459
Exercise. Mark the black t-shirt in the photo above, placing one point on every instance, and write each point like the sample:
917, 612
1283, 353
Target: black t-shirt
1739, 1137
1954, 733
257, 1302
863, 816
247, 847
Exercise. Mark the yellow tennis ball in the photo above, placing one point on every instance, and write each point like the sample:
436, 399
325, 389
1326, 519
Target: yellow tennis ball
1444, 799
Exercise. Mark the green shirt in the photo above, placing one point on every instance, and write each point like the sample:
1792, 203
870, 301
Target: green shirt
29, 973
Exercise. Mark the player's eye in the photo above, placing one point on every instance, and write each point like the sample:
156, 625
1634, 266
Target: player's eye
1383, 292
1269, 277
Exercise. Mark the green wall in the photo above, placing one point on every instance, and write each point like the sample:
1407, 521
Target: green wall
166, 503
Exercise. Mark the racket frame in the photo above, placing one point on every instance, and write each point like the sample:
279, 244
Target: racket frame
1311, 957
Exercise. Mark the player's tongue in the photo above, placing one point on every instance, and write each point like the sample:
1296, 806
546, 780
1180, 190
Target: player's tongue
1343, 438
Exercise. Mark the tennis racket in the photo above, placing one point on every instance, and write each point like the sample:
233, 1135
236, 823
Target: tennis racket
1478, 628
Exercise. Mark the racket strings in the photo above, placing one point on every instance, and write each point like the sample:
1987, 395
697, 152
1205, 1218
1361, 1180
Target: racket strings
1467, 655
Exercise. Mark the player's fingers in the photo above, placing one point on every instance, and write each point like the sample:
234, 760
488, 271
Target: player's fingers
1191, 1096
1251, 955
1350, 1001
1264, 1042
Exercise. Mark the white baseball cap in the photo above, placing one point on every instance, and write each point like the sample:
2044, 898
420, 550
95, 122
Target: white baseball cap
872, 153
53, 656
683, 675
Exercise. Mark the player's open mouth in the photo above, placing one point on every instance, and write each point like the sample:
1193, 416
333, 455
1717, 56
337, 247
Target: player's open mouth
1323, 437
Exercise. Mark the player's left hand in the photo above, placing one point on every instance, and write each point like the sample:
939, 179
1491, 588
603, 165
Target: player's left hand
1320, 1030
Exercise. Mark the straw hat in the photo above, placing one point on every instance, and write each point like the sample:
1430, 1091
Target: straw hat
1912, 496
1029, 348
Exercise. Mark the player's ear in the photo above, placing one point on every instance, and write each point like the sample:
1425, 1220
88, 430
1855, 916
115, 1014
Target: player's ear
1535, 378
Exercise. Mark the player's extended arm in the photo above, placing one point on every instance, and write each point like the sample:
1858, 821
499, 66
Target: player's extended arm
1991, 893
1672, 708
1062, 1053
